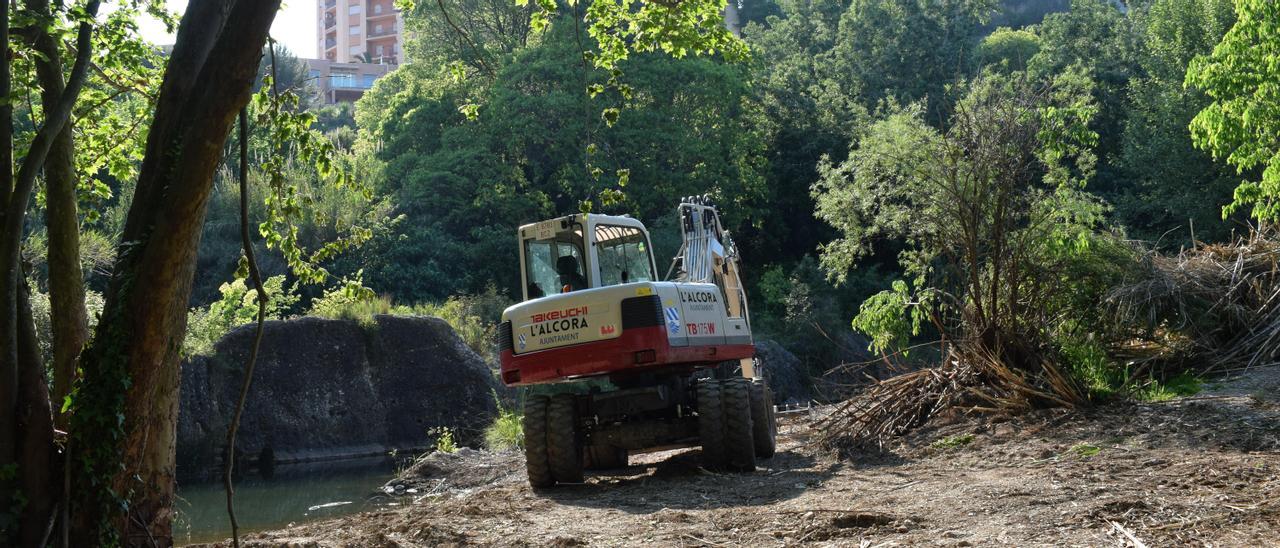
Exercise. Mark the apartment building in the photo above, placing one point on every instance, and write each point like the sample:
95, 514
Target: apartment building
359, 31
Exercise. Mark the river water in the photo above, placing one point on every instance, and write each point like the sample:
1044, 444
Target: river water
295, 494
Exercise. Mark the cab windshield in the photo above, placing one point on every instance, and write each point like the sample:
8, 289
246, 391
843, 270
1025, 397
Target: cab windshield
555, 265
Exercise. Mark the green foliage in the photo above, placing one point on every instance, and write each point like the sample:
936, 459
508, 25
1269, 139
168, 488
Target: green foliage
1085, 450
952, 442
1007, 48
444, 439
463, 186
474, 317
907, 50
892, 317
506, 432
1171, 183
492, 33
1241, 125
289, 135
238, 306
350, 300
40, 313
1089, 362
1180, 385
990, 210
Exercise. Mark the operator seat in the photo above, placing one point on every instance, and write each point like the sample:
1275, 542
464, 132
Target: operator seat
567, 267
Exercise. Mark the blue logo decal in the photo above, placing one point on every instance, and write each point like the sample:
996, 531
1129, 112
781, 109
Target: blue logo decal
522, 341
673, 320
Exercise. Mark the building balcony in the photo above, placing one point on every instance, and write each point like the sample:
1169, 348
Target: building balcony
372, 32
330, 4
349, 84
330, 21
330, 43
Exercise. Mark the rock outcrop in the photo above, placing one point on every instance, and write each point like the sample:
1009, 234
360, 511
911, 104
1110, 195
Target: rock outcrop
331, 388
786, 375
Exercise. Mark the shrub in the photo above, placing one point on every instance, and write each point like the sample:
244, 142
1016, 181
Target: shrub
238, 306
444, 440
506, 431
473, 317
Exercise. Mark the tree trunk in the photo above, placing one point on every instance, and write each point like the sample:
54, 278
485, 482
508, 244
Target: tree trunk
137, 343
35, 427
68, 319
8, 315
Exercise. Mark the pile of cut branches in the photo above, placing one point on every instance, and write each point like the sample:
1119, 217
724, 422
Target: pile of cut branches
1211, 307
969, 378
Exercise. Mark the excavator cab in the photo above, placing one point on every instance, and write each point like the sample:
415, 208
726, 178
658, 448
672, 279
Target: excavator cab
583, 251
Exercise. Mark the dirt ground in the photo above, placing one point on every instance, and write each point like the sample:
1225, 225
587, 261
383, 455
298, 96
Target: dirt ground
1203, 470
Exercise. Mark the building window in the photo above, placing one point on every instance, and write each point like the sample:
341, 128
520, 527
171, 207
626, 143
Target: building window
377, 29
314, 74
354, 10
354, 31
379, 49
377, 9
366, 81
355, 50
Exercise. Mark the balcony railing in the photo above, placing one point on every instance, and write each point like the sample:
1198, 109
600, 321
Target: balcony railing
340, 82
374, 33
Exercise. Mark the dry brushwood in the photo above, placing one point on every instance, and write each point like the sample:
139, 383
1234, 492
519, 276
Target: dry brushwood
1214, 305
969, 377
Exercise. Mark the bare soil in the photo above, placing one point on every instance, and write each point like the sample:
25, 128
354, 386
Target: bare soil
1194, 471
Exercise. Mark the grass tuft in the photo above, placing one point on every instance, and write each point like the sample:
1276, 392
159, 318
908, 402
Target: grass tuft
952, 442
506, 432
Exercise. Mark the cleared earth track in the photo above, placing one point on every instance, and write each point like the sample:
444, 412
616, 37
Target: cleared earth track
1203, 470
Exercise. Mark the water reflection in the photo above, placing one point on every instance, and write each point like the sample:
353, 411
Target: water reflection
294, 494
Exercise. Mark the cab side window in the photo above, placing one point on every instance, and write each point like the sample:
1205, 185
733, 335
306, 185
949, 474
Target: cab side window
624, 255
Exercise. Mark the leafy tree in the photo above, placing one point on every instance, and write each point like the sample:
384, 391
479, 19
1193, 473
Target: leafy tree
990, 208
1242, 77
1008, 48
907, 50
480, 35
463, 184
806, 111
1172, 188
1097, 36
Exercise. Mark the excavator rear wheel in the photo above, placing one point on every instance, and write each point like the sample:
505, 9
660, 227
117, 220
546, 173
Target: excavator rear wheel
564, 453
535, 442
740, 449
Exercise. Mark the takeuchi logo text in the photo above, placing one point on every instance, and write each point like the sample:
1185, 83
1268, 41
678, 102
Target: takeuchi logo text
559, 314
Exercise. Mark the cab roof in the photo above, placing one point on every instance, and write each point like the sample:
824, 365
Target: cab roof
592, 218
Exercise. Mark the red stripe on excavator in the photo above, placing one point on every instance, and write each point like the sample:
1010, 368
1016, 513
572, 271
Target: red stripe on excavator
611, 356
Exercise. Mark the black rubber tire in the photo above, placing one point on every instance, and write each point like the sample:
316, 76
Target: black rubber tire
564, 454
604, 457
764, 423
535, 442
711, 423
740, 448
